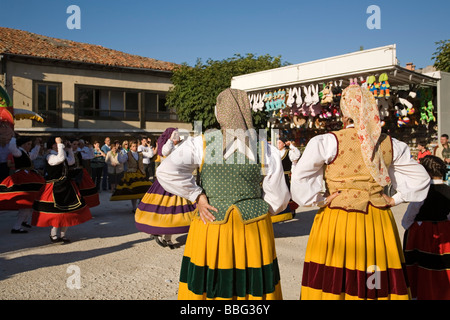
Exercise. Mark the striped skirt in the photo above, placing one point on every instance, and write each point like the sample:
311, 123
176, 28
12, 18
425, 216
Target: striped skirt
20, 189
230, 261
353, 255
88, 190
161, 212
60, 204
133, 185
427, 254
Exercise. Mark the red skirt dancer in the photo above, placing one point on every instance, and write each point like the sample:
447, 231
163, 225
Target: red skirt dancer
88, 190
427, 253
20, 189
60, 204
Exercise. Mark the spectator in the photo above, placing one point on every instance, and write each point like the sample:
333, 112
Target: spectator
87, 154
114, 160
146, 149
97, 164
443, 151
106, 184
423, 151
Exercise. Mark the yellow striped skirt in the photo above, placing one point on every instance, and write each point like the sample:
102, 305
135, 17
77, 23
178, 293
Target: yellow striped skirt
133, 185
230, 261
354, 255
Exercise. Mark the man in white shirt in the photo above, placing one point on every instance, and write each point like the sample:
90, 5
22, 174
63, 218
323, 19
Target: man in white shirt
145, 148
87, 154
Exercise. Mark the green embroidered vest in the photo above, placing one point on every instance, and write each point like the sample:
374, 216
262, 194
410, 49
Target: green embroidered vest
234, 183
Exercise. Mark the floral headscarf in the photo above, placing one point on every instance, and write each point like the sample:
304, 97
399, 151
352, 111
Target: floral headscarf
233, 112
359, 104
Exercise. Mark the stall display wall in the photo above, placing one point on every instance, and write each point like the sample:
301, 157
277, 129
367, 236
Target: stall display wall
408, 112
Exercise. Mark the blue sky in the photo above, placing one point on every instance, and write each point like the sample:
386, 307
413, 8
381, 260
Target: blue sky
183, 31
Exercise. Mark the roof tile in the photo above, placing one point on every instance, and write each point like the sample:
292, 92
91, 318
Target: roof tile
13, 41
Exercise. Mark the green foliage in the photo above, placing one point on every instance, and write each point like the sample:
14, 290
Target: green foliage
442, 56
195, 89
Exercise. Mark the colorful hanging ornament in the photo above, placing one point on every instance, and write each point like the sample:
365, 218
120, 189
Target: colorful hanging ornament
384, 86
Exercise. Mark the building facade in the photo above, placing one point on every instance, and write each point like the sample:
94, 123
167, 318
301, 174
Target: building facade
85, 90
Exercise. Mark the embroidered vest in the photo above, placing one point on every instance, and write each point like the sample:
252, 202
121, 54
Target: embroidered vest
348, 174
134, 165
234, 183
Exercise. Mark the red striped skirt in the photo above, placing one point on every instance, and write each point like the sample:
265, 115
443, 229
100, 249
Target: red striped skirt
427, 255
20, 189
60, 204
354, 255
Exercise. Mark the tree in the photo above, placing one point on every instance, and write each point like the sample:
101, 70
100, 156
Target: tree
195, 89
442, 56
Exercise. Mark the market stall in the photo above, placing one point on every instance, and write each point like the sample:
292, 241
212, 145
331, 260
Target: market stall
303, 100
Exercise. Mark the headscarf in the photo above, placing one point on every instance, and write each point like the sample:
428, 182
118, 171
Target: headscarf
163, 139
359, 104
233, 112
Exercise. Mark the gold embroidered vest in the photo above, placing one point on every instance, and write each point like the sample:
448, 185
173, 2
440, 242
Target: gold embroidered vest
348, 174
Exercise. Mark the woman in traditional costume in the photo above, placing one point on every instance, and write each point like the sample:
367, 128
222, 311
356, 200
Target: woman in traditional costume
427, 237
230, 249
134, 183
19, 190
354, 250
161, 213
59, 204
81, 176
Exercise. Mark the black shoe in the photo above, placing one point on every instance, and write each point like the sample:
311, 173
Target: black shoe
18, 231
170, 244
64, 240
55, 239
26, 225
161, 242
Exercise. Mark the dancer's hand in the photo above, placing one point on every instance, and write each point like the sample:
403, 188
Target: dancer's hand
390, 201
203, 207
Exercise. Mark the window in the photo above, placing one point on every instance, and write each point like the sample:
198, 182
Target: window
116, 104
47, 102
121, 104
156, 109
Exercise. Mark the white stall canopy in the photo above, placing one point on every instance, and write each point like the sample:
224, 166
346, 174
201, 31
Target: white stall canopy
360, 64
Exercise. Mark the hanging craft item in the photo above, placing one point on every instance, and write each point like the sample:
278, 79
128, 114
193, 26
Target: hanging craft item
299, 100
290, 100
426, 105
327, 94
337, 92
373, 85
384, 86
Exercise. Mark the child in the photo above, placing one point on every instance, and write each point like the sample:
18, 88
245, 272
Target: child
427, 237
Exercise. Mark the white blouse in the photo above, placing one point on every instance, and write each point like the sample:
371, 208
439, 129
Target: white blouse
175, 173
409, 178
54, 158
17, 151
